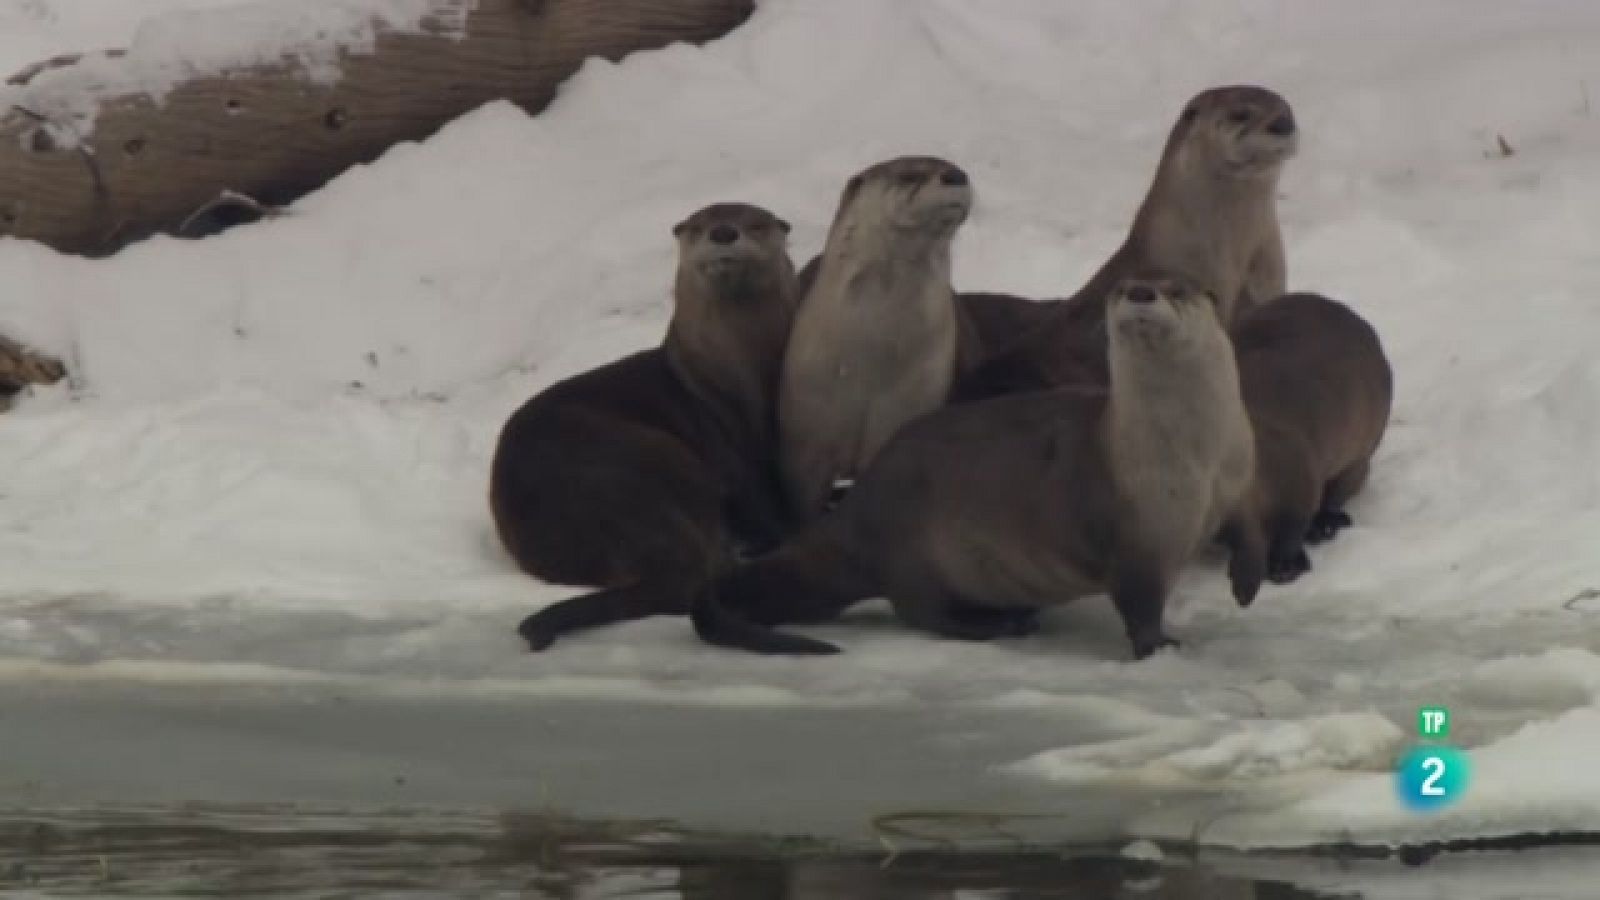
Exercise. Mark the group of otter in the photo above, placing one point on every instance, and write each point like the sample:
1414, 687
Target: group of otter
801, 442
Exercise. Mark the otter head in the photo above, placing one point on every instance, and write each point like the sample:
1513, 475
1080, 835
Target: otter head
909, 196
733, 252
1160, 313
1240, 131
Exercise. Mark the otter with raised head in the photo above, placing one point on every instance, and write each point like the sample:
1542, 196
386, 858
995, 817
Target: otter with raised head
1210, 215
644, 476
1318, 388
877, 339
976, 516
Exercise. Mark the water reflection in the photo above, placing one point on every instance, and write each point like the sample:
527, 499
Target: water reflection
290, 853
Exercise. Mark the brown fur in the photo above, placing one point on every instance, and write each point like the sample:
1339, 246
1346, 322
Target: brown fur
20, 367
877, 341
1210, 215
989, 321
1318, 389
975, 516
644, 476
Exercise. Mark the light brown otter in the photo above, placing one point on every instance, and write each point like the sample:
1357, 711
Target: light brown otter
1318, 389
877, 340
974, 517
644, 476
1210, 215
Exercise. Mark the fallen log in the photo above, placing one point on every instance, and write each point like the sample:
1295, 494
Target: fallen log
103, 149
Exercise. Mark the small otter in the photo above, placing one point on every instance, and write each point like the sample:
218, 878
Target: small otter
975, 516
1318, 389
1210, 215
639, 477
877, 339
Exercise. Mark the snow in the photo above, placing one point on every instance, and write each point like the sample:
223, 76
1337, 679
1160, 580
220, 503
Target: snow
271, 465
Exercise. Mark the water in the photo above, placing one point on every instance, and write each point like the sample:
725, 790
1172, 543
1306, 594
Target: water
296, 854
302, 791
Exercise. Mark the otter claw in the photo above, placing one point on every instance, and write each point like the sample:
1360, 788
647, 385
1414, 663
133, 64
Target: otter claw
1143, 648
1284, 571
1327, 524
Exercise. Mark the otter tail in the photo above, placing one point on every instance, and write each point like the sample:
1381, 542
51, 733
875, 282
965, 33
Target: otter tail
809, 580
622, 604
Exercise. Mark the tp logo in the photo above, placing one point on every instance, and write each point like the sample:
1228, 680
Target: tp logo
1431, 776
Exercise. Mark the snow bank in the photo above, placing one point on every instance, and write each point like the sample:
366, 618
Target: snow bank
274, 454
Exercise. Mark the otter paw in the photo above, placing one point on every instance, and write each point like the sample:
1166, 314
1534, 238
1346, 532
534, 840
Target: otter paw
1020, 623
1145, 647
1283, 570
1326, 525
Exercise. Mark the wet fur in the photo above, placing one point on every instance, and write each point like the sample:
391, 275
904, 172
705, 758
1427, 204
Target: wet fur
976, 516
646, 476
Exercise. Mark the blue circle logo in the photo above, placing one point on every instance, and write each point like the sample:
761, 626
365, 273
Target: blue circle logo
1431, 777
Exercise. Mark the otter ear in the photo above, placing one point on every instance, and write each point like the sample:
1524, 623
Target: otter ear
680, 228
783, 226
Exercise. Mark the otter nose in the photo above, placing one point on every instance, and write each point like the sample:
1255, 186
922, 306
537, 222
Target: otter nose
1141, 294
1282, 126
953, 177
724, 234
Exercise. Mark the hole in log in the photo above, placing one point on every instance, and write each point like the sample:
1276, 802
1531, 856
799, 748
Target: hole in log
335, 118
234, 106
133, 146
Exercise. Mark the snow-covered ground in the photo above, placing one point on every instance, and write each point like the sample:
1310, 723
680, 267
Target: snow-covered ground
271, 466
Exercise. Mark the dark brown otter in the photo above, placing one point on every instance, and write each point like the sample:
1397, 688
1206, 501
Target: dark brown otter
644, 476
1210, 215
1318, 389
974, 517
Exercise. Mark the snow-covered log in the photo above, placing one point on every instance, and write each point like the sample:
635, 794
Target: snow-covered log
262, 102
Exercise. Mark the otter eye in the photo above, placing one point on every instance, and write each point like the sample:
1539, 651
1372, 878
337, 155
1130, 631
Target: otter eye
910, 178
1239, 116
756, 228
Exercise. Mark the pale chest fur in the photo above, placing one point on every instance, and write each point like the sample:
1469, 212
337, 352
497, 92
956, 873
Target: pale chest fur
1183, 456
869, 351
1233, 248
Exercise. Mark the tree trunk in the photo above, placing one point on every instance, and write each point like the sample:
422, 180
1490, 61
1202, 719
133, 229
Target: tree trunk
271, 134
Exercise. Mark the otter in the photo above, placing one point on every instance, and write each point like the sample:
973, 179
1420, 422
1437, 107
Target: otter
1210, 215
1319, 389
649, 474
878, 337
989, 320
977, 515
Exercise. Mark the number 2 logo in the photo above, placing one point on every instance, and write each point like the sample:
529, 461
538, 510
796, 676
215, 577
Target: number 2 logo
1435, 767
